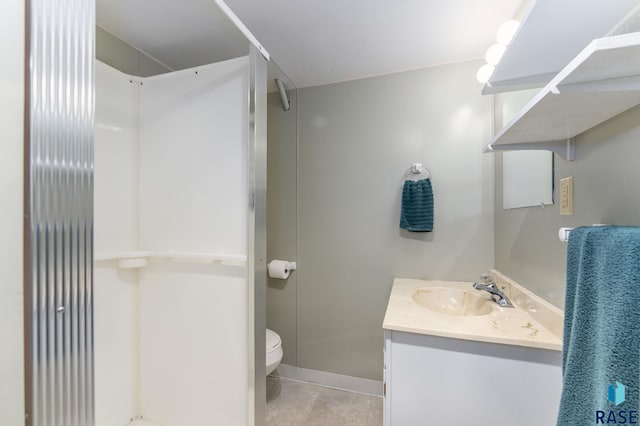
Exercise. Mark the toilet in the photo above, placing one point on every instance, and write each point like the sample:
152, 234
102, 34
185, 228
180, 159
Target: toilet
274, 351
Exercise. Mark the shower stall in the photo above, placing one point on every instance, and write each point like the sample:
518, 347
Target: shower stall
145, 273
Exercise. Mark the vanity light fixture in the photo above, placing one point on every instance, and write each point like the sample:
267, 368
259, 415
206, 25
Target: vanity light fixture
506, 31
494, 54
504, 35
484, 73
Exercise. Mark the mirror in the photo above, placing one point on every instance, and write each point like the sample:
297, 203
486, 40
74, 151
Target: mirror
527, 179
527, 176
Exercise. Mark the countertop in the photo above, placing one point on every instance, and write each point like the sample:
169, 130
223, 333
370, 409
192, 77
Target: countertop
533, 322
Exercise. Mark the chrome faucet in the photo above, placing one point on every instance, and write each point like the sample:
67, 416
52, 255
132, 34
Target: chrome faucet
486, 283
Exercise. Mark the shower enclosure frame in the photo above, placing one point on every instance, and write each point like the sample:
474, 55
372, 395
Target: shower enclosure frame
257, 236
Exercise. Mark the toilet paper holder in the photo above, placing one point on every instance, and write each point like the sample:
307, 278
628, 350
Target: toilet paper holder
292, 265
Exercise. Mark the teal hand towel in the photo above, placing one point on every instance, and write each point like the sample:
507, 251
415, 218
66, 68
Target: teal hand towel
416, 212
601, 347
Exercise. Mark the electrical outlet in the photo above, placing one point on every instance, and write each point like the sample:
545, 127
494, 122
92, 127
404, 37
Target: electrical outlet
566, 196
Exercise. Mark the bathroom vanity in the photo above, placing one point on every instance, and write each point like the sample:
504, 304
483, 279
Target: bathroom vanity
454, 357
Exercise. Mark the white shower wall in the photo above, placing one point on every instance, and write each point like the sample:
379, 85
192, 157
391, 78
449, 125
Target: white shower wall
193, 197
193, 133
171, 337
115, 228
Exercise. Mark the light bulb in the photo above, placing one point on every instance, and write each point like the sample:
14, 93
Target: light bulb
494, 53
506, 31
484, 73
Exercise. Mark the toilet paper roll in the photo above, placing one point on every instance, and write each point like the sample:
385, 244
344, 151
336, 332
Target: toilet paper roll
279, 269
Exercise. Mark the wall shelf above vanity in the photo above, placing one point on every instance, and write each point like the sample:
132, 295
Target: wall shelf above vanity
601, 82
551, 34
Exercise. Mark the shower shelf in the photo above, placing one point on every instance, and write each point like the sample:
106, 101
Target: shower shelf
140, 259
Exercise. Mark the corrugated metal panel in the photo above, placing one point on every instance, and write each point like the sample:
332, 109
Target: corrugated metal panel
61, 211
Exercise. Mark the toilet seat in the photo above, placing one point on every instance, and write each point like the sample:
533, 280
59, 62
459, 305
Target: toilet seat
273, 341
273, 351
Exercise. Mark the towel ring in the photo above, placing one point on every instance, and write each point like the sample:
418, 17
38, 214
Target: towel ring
416, 169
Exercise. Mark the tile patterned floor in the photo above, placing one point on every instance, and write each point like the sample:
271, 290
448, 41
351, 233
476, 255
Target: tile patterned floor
291, 403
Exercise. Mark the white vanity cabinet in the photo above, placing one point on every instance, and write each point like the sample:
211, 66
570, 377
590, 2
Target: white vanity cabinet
441, 381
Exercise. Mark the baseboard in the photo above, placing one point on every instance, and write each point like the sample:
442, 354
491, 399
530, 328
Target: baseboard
330, 380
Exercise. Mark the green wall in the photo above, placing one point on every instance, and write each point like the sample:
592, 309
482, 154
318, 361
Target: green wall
355, 142
605, 174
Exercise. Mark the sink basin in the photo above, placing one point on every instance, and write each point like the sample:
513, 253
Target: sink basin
453, 301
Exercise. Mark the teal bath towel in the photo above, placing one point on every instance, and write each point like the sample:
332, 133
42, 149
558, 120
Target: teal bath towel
416, 212
600, 357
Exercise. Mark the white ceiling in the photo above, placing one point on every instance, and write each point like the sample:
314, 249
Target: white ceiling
314, 42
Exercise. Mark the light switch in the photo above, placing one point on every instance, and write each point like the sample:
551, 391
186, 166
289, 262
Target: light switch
566, 196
